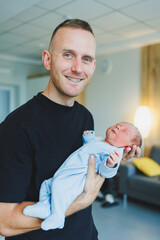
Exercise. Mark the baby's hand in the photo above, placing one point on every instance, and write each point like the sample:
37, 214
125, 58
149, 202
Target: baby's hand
113, 159
87, 132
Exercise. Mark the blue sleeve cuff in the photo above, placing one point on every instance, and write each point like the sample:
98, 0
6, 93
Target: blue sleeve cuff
88, 137
107, 172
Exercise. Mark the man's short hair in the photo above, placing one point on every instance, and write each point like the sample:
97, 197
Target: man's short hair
72, 23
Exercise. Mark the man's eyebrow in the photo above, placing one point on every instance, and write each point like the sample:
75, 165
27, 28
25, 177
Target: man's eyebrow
74, 52
68, 50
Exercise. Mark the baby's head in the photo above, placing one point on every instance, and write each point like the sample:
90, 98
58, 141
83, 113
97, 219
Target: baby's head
123, 134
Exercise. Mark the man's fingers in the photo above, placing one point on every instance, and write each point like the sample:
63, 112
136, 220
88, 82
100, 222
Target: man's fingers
130, 153
138, 152
91, 170
100, 180
91, 166
133, 151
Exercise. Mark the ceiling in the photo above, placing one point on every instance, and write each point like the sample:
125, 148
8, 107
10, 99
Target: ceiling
26, 26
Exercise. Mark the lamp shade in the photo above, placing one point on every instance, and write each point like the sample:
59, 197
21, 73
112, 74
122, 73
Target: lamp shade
143, 120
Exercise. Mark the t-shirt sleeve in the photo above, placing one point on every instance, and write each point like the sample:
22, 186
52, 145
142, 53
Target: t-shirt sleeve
15, 162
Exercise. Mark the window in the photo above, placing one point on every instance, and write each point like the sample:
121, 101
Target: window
7, 101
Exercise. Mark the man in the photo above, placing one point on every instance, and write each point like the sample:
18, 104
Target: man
31, 145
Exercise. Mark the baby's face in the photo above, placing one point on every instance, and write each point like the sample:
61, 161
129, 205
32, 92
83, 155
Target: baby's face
120, 135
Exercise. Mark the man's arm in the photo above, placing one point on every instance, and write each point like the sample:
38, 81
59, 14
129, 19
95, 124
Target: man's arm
14, 222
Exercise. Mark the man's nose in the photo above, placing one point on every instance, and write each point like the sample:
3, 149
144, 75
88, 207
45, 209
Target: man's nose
77, 65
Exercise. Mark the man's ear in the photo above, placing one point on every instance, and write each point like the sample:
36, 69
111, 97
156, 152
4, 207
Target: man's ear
46, 58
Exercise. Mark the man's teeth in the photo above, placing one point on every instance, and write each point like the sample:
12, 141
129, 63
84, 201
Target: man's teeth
74, 79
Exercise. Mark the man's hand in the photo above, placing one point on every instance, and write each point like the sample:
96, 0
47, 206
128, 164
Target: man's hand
92, 186
133, 152
93, 183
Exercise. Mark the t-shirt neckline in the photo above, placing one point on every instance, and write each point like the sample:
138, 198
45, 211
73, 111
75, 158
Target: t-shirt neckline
54, 104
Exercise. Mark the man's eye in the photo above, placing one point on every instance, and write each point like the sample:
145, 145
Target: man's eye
67, 55
86, 59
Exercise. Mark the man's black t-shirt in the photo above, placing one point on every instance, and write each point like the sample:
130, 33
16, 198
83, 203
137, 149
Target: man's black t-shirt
35, 140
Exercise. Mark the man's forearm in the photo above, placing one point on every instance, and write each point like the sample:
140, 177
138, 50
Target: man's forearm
81, 202
14, 222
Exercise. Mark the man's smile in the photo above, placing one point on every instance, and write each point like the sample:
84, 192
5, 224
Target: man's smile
74, 79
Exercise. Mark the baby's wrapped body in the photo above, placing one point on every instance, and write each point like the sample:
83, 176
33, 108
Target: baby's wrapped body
58, 192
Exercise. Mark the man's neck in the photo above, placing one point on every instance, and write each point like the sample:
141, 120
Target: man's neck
58, 98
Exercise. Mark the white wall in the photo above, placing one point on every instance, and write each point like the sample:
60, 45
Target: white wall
114, 97
17, 77
17, 83
35, 85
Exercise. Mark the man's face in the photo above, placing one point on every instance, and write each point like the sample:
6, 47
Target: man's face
72, 61
120, 135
